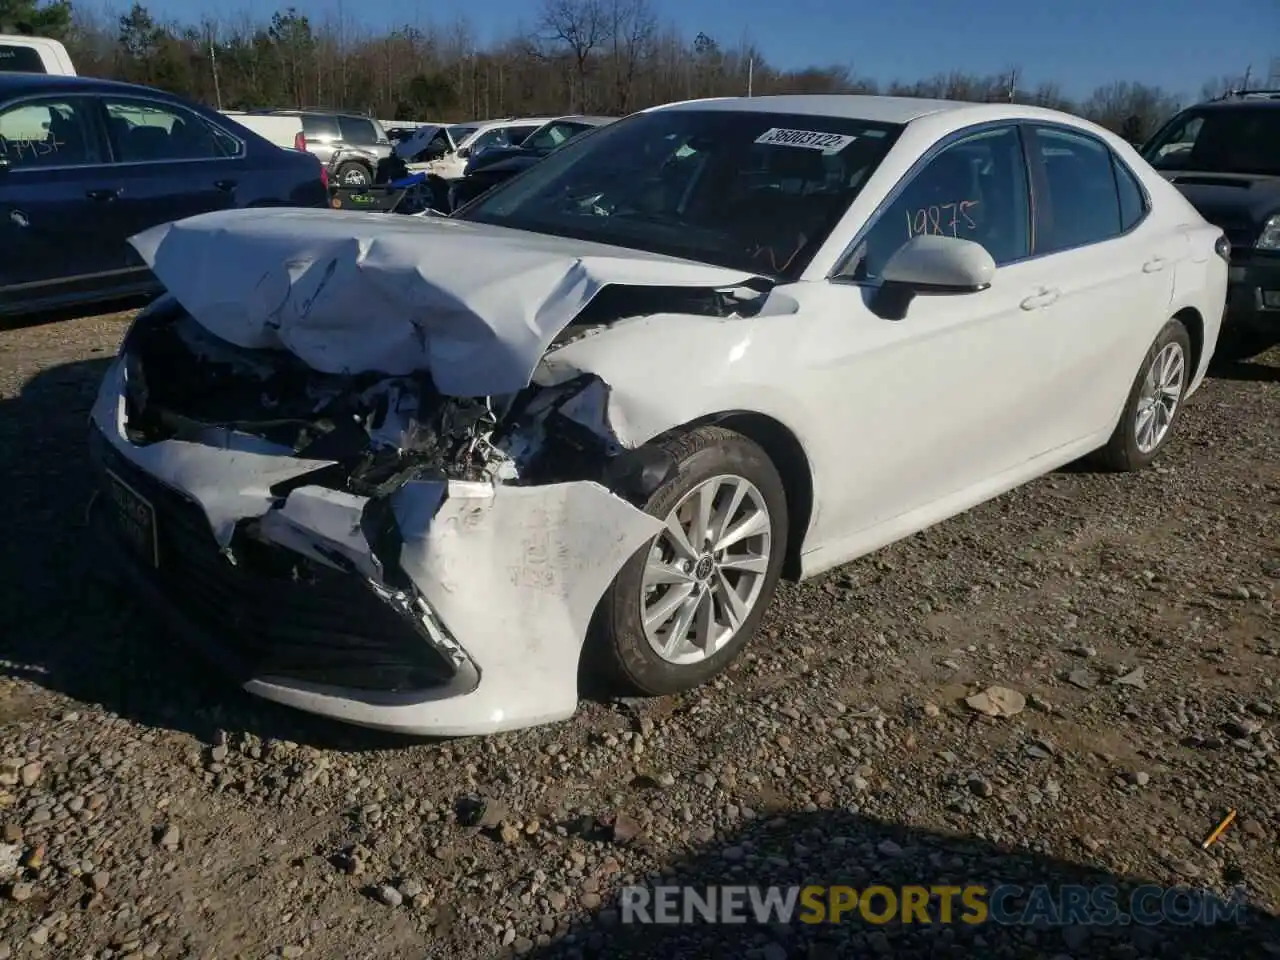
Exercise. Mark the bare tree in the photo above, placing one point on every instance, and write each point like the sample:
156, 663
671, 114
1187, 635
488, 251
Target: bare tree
632, 28
582, 27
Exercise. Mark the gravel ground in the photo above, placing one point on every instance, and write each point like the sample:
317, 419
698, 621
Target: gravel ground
157, 812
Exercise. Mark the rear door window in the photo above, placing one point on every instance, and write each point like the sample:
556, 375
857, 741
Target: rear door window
1082, 205
143, 131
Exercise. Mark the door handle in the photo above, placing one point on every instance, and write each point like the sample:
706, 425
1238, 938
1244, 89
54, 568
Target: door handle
1154, 265
225, 185
1040, 299
104, 194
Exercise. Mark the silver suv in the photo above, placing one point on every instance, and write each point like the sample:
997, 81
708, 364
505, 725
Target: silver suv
348, 144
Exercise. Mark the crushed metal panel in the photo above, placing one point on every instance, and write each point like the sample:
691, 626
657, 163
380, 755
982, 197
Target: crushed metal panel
516, 573
325, 526
229, 485
474, 305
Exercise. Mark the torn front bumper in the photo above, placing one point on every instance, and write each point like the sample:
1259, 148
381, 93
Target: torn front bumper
287, 593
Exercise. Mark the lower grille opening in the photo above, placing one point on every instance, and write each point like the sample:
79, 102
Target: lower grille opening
279, 614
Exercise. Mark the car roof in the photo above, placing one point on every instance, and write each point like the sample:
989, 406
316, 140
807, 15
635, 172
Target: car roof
1268, 98
321, 113
855, 107
18, 84
506, 121
595, 121
938, 114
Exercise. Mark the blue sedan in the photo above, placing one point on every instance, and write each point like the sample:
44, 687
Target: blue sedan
85, 164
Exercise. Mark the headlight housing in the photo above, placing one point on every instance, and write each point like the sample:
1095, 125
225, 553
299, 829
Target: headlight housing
1270, 239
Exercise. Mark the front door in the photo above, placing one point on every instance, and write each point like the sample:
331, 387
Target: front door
56, 218
952, 395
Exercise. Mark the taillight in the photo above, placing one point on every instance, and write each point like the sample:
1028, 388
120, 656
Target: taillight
324, 176
300, 141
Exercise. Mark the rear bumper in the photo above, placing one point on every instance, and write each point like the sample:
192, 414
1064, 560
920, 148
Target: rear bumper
1253, 292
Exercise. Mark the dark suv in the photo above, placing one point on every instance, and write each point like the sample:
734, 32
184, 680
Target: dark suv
1224, 156
348, 144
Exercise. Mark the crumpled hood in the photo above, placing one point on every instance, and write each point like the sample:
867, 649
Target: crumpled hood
475, 306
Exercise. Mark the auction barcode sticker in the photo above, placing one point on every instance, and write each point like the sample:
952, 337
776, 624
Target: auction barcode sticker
808, 139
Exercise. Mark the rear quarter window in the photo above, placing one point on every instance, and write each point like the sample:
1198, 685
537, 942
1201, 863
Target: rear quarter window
357, 130
20, 60
1133, 202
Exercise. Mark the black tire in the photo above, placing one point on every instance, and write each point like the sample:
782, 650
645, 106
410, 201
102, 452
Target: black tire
618, 644
353, 174
1121, 454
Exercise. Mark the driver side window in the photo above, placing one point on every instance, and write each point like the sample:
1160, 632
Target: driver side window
975, 189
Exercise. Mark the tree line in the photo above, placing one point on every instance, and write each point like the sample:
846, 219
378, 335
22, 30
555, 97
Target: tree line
588, 56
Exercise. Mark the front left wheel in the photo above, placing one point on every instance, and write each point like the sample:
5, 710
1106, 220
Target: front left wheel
683, 607
1154, 403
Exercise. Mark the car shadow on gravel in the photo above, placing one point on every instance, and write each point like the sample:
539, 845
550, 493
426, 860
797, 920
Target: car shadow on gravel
64, 314
1246, 371
67, 629
1032, 917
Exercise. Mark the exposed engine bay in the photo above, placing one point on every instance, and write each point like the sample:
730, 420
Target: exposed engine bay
380, 432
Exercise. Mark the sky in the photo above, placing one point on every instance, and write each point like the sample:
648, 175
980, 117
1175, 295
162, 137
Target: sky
1079, 44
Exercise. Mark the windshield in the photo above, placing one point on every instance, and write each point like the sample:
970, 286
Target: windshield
459, 132
1230, 139
751, 191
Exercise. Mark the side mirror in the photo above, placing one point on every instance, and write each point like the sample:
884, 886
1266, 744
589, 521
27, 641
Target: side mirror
463, 153
932, 265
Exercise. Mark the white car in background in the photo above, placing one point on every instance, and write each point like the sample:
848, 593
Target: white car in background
417, 473
444, 150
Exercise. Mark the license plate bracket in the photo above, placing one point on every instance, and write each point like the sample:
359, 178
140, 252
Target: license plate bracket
136, 519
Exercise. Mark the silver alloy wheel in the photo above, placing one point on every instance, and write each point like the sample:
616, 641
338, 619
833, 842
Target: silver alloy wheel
355, 177
1161, 394
705, 572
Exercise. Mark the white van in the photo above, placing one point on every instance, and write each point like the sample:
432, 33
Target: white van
283, 131
21, 54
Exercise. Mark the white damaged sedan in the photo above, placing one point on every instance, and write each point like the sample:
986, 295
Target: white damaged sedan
416, 473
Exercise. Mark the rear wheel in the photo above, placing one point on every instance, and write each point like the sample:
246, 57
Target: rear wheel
1154, 404
683, 607
352, 174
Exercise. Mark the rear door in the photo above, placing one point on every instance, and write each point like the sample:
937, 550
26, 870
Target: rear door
56, 219
170, 163
322, 136
1113, 277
